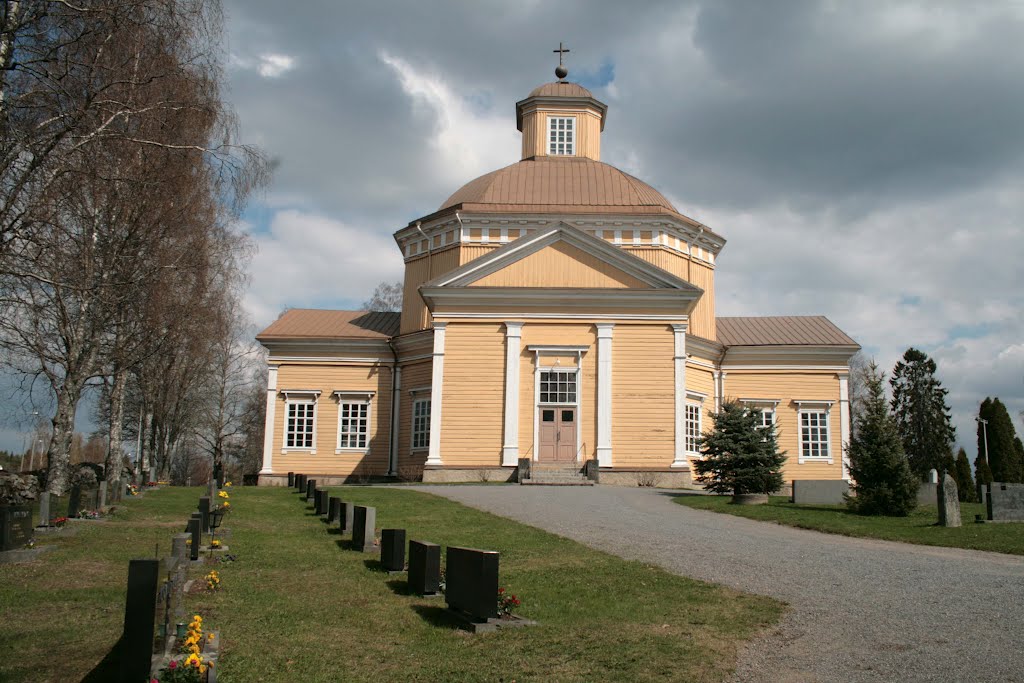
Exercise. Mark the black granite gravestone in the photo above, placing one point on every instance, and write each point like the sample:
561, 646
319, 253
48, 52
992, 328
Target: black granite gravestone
323, 502
392, 550
139, 620
424, 568
75, 501
195, 528
363, 528
310, 490
333, 509
15, 526
471, 582
291, 479
347, 517
300, 482
204, 510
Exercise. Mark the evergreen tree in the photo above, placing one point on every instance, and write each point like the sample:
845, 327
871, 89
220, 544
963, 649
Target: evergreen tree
882, 481
964, 480
1019, 447
923, 420
739, 455
1003, 459
982, 473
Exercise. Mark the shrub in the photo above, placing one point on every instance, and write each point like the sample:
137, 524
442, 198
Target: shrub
739, 455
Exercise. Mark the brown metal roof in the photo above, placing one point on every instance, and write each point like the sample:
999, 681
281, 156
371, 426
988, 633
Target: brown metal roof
320, 324
804, 330
560, 89
577, 182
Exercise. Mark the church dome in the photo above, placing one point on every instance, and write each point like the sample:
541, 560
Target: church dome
560, 89
566, 184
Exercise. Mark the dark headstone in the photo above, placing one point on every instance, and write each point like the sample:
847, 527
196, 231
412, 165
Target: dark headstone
471, 582
347, 518
291, 479
15, 526
364, 524
300, 482
949, 503
139, 620
424, 568
204, 510
1005, 502
333, 509
392, 549
310, 490
75, 501
195, 528
321, 501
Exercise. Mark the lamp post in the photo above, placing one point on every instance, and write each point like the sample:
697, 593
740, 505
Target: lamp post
984, 433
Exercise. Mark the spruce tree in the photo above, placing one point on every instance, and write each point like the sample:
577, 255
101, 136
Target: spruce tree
982, 473
1018, 446
739, 455
964, 480
1002, 453
923, 419
882, 481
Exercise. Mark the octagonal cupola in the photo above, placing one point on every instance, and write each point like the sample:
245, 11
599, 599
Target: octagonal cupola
561, 119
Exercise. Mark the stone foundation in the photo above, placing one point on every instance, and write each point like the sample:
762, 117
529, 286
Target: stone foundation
478, 475
662, 479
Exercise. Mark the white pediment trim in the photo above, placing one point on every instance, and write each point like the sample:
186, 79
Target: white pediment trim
512, 252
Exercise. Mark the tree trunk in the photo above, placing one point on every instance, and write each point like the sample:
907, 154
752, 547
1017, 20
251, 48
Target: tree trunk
115, 457
58, 455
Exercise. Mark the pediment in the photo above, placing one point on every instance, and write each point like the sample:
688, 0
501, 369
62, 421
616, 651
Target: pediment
561, 257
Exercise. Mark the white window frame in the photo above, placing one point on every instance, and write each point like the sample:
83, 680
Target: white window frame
573, 371
569, 141
815, 408
694, 405
767, 406
354, 398
295, 397
424, 429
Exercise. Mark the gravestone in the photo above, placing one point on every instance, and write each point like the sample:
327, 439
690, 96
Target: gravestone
1005, 502
392, 550
195, 529
949, 503
310, 489
347, 518
44, 509
933, 476
471, 582
927, 493
300, 482
75, 501
140, 615
323, 502
333, 509
983, 494
15, 526
364, 524
820, 491
291, 479
204, 510
179, 548
424, 568
101, 496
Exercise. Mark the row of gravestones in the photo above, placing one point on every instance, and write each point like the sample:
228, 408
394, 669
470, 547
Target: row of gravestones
471, 580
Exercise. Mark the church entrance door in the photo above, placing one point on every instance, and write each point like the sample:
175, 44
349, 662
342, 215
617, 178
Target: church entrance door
557, 434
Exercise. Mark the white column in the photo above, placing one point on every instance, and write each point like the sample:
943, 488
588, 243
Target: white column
679, 361
718, 389
436, 382
844, 422
604, 394
268, 425
513, 349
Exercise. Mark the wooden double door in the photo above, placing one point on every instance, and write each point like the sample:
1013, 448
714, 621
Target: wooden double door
557, 434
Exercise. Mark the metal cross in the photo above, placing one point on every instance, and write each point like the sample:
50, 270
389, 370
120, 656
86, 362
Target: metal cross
561, 50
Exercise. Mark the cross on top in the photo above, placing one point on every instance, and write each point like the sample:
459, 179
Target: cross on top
560, 70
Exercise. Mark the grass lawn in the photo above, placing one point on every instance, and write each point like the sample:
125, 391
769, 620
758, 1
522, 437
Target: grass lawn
919, 527
298, 606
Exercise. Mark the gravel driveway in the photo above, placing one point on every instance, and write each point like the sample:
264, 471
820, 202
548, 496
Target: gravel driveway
862, 610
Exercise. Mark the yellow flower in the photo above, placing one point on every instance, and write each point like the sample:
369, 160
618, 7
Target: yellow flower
197, 618
227, 484
209, 637
223, 494
202, 669
226, 504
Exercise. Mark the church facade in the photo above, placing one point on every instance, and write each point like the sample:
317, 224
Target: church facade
557, 311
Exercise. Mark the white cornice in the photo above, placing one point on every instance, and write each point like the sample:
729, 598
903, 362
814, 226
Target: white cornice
526, 315
521, 298
818, 354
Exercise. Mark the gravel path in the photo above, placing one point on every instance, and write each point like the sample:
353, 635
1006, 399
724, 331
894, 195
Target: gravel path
863, 610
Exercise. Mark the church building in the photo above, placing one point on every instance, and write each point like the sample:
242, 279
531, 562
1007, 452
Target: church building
558, 315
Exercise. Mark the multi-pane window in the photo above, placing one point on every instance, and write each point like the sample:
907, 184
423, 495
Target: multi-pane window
814, 434
421, 423
558, 386
352, 423
299, 424
561, 135
692, 427
767, 418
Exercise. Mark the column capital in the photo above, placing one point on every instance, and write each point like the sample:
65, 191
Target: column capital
513, 328
680, 328
604, 330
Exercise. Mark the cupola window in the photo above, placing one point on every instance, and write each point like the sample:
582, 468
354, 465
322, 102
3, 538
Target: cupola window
561, 135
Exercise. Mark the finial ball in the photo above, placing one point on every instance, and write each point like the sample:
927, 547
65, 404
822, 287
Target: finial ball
561, 71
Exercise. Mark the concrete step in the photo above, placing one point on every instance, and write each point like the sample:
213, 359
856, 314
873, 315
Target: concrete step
566, 482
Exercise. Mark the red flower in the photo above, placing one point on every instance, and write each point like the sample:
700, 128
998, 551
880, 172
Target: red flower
173, 665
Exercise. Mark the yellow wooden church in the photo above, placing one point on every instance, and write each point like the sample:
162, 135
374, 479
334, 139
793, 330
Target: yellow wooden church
558, 316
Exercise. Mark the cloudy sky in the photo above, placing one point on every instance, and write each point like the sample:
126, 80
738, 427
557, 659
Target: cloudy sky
865, 161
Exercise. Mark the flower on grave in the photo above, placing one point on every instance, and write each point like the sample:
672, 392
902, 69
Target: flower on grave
209, 637
227, 484
173, 665
226, 505
223, 494
214, 543
506, 602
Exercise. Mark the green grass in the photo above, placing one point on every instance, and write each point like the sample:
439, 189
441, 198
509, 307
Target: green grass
919, 527
298, 606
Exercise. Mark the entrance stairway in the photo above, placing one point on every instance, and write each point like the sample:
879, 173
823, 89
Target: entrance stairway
555, 474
